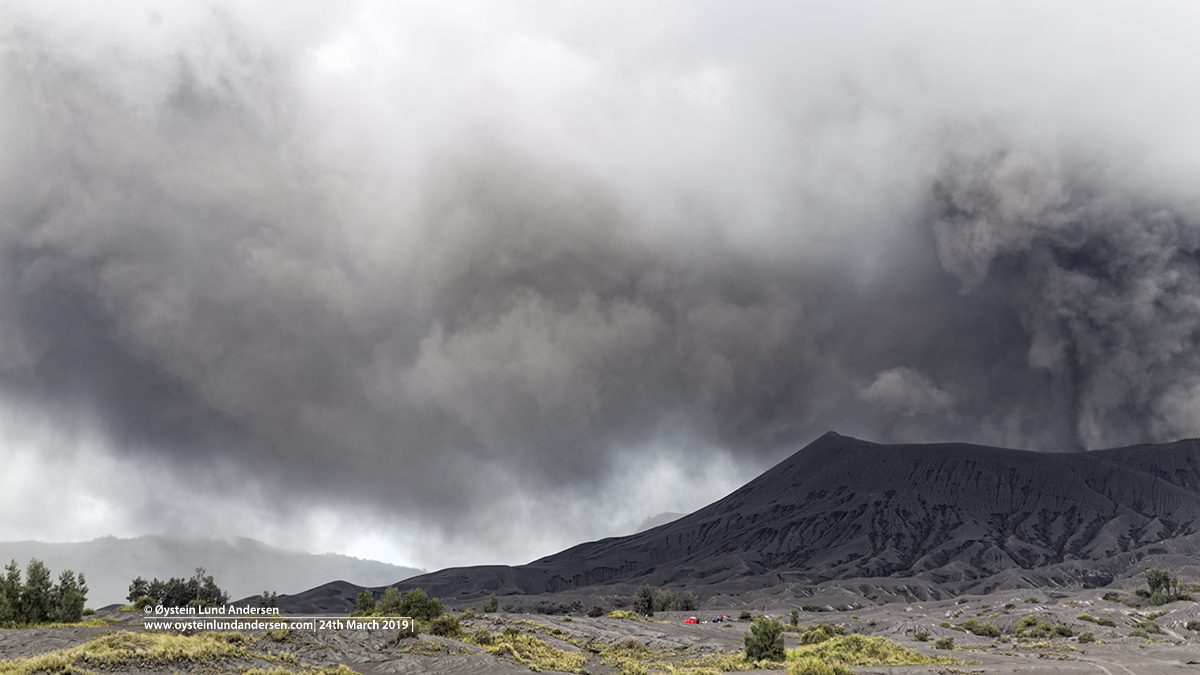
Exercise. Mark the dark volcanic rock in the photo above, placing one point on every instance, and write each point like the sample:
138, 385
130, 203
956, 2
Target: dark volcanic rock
909, 518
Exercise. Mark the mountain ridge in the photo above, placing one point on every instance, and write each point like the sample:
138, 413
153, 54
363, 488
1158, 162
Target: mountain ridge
893, 520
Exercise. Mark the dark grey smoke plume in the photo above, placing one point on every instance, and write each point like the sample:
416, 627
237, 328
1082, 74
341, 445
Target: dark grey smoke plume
479, 284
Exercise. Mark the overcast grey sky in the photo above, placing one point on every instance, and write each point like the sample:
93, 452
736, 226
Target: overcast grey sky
460, 283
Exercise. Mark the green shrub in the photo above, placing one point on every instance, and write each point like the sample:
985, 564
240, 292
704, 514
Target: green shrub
446, 625
945, 624
921, 636
596, 612
795, 617
418, 605
365, 602
1010, 605
961, 601
1086, 617
493, 604
1111, 596
944, 643
981, 629
1031, 600
1087, 637
1063, 631
812, 608
143, 602
764, 642
745, 615
1105, 621
821, 632
622, 614
1159, 599
1139, 633
1042, 629
1193, 624
1149, 627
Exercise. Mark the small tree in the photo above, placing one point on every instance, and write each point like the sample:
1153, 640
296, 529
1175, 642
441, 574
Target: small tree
37, 599
200, 590
10, 594
795, 617
170, 593
493, 603
391, 601
202, 587
643, 602
138, 588
1158, 580
268, 599
366, 601
69, 597
765, 640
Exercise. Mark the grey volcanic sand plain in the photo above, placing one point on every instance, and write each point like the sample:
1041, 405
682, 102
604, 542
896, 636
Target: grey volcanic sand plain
375, 651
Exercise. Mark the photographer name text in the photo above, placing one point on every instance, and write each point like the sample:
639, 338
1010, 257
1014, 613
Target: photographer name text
224, 610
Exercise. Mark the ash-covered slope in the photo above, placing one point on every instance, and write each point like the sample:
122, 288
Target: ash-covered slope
957, 515
843, 508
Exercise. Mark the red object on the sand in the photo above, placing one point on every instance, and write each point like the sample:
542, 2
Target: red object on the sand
691, 619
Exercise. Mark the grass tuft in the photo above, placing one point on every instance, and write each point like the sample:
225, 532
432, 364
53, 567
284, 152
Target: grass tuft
622, 614
120, 649
857, 650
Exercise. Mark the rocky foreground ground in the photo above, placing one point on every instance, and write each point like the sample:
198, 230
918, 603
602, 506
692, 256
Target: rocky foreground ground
517, 643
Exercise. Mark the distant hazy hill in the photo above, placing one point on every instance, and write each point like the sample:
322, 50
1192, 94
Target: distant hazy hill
242, 567
895, 521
